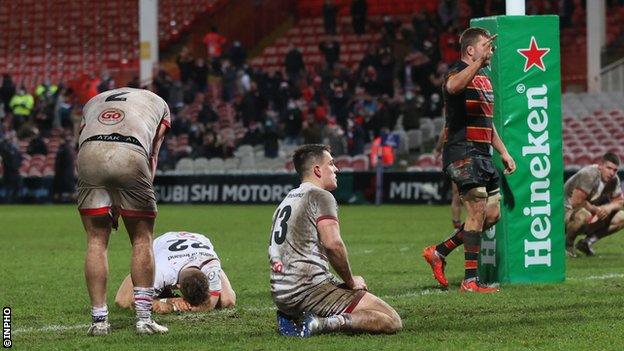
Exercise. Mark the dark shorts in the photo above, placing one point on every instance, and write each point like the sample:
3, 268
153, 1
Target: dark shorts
324, 300
473, 172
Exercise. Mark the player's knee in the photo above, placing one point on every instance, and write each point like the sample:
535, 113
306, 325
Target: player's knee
396, 323
618, 219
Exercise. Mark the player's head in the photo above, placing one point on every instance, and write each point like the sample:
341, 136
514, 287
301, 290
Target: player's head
314, 163
193, 286
471, 42
609, 166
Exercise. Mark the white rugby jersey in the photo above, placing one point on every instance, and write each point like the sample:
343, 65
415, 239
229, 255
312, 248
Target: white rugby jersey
127, 115
294, 241
174, 251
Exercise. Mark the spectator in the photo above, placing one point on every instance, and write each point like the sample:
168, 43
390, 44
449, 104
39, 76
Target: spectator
271, 144
370, 82
292, 123
335, 138
434, 106
21, 105
46, 90
163, 83
214, 47
64, 107
338, 101
311, 132
330, 48
106, 82
359, 9
200, 74
448, 12
329, 17
388, 28
64, 187
253, 135
251, 106
356, 137
370, 59
37, 145
186, 64
411, 111
210, 147
11, 162
237, 55
229, 81
7, 90
293, 63
385, 72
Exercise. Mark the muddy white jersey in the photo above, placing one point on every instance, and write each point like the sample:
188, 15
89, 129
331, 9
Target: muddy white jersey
295, 242
126, 115
174, 251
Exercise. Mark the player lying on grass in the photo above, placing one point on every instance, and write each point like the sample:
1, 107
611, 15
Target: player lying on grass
593, 204
305, 238
186, 262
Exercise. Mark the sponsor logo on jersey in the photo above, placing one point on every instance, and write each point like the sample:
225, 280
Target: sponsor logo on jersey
111, 116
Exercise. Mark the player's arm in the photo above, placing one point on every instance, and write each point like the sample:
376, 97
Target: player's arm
329, 235
158, 140
125, 298
457, 82
125, 294
498, 145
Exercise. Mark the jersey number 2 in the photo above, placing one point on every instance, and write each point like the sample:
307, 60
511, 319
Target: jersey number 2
279, 236
177, 246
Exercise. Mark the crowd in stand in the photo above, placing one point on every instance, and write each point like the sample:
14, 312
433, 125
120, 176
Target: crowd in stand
220, 102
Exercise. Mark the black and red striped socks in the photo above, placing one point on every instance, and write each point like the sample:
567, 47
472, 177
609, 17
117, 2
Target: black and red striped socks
448, 245
472, 245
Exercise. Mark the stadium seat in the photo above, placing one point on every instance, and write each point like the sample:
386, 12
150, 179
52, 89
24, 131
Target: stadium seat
184, 166
359, 163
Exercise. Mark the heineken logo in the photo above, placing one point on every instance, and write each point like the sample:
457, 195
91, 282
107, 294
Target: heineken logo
534, 55
537, 251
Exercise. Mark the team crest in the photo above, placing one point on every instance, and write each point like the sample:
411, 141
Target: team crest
111, 116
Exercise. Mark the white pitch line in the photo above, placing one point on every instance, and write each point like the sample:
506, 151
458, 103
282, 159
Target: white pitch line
600, 277
61, 328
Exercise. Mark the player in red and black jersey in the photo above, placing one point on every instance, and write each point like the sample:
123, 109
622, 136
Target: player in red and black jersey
470, 135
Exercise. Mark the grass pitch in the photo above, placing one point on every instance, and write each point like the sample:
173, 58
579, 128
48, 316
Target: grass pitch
42, 281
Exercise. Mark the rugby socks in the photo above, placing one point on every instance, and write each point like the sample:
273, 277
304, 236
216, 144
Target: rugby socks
590, 240
99, 314
336, 323
448, 245
143, 303
472, 245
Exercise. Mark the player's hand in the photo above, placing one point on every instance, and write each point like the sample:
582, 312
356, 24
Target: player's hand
488, 51
162, 307
509, 163
179, 304
601, 212
358, 283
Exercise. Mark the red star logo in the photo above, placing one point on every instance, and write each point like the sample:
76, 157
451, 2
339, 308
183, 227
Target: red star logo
534, 55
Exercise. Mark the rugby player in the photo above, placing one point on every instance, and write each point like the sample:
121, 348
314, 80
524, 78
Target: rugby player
120, 136
469, 106
593, 204
305, 239
186, 262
